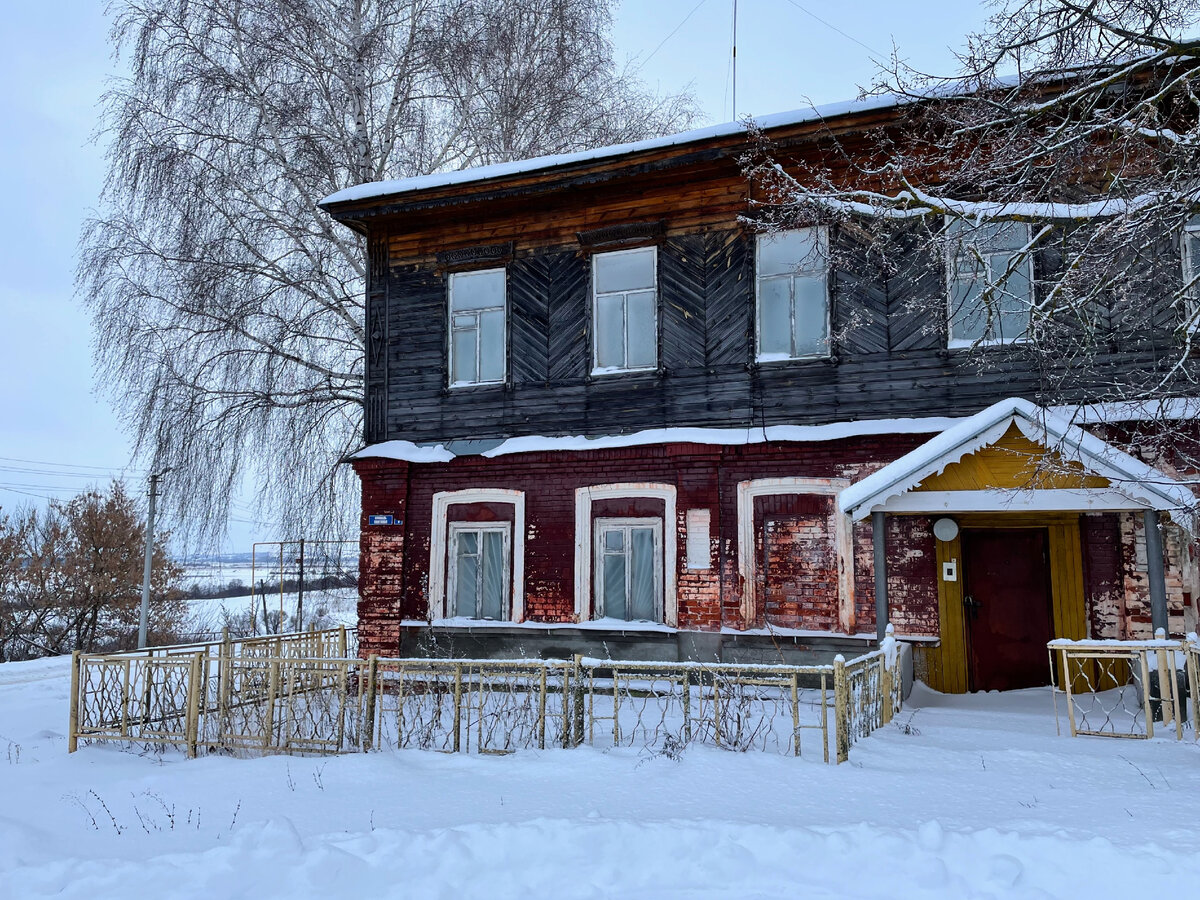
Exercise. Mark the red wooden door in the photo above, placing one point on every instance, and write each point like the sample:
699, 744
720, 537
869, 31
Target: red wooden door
1006, 600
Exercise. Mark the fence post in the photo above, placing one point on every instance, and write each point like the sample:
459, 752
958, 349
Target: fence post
577, 704
687, 706
885, 687
192, 728
341, 642
224, 680
369, 725
457, 706
541, 709
73, 722
841, 709
272, 691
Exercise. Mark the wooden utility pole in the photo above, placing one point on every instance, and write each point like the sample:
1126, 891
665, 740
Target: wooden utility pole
148, 563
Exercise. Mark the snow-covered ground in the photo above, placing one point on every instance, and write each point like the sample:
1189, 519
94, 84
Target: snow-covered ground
964, 797
324, 608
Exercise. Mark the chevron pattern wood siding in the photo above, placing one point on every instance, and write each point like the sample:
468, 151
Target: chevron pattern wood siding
859, 290
682, 297
570, 349
890, 354
529, 320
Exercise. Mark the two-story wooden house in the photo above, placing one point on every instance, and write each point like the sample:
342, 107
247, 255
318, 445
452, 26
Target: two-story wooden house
604, 415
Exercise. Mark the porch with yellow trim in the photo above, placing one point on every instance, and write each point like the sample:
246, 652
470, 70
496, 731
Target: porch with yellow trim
1012, 466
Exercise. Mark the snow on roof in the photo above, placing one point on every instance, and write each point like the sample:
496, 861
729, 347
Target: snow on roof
1130, 476
376, 189
410, 452
1178, 408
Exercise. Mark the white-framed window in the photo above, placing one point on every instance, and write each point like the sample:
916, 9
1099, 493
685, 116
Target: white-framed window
1191, 271
792, 291
625, 310
990, 290
477, 327
479, 570
629, 569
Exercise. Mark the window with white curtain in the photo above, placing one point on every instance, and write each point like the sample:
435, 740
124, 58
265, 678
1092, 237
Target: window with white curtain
479, 570
629, 569
477, 332
990, 285
625, 310
792, 287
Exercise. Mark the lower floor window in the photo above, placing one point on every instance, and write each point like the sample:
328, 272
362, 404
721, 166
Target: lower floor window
629, 567
479, 569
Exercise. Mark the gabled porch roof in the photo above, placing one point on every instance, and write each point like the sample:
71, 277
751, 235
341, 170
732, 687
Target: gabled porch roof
1132, 484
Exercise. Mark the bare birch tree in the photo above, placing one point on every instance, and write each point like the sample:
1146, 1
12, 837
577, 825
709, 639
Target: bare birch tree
227, 308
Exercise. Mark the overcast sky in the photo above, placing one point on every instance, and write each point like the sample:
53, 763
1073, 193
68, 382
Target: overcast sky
57, 432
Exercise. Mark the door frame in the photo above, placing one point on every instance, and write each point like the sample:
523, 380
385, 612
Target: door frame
947, 665
965, 568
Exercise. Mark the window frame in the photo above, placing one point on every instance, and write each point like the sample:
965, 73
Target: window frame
954, 343
597, 369
450, 330
1190, 263
822, 232
455, 530
599, 526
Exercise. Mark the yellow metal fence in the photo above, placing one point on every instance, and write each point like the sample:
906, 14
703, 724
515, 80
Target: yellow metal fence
304, 694
1124, 689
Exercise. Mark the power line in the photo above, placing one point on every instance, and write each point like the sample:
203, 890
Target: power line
46, 462
832, 27
27, 493
25, 470
673, 31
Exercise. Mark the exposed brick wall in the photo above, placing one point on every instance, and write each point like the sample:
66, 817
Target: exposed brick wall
912, 575
1137, 620
395, 558
1103, 578
705, 477
797, 573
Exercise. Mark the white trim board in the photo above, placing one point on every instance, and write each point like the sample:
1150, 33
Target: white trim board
442, 501
583, 541
842, 536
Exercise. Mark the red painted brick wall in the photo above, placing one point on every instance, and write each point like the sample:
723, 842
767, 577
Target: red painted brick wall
396, 558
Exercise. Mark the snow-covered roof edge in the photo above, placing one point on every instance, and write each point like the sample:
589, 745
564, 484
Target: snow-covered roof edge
1132, 476
374, 189
407, 451
730, 437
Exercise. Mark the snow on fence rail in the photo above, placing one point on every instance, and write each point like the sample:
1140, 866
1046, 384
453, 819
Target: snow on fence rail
304, 694
1122, 688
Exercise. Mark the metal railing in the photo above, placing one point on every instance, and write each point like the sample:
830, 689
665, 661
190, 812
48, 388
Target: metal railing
1123, 688
303, 694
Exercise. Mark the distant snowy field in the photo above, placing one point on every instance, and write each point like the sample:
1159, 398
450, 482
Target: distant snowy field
979, 798
326, 609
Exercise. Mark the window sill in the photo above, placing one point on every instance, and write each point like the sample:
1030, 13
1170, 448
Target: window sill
960, 344
613, 370
772, 359
460, 385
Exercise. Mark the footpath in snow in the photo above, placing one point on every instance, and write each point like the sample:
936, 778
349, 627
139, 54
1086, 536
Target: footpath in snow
961, 797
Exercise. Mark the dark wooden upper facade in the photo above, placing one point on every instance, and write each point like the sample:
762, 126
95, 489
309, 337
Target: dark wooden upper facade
889, 353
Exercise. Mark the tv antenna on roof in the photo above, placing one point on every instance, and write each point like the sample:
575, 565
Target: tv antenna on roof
735, 3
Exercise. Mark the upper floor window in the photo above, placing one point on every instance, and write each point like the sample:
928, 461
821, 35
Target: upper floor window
793, 294
477, 332
1191, 270
990, 282
625, 310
